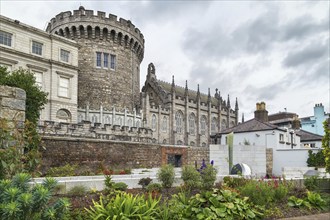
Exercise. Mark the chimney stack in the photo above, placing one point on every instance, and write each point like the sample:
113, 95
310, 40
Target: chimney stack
261, 113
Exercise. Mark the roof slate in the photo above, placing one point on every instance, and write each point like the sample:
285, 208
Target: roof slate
251, 125
308, 136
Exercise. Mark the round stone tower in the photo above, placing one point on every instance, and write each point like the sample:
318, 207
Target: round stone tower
109, 57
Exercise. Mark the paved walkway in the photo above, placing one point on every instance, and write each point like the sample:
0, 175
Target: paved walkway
323, 216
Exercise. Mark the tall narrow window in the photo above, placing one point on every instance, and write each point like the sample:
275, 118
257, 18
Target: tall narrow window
5, 38
106, 60
98, 59
38, 76
192, 124
223, 125
164, 124
203, 125
65, 55
36, 48
153, 122
63, 89
178, 122
112, 61
213, 126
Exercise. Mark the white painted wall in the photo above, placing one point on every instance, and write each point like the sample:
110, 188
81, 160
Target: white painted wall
252, 155
289, 158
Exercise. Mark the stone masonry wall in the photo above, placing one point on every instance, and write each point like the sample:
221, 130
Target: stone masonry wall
91, 153
12, 104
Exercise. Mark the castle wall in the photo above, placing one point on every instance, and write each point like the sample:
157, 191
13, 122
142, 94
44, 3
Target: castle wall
90, 153
110, 54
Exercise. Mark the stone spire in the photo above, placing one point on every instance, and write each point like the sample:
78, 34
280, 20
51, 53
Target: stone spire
228, 102
209, 96
236, 105
173, 85
186, 89
198, 92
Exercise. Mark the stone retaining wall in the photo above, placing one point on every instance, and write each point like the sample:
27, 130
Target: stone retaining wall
92, 154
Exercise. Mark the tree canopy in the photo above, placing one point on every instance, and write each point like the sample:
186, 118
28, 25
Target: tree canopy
24, 79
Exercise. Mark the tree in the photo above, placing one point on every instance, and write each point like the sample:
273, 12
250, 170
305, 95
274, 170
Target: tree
326, 144
24, 79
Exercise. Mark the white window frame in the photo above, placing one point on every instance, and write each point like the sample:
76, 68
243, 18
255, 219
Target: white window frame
98, 61
178, 121
35, 49
6, 38
106, 60
63, 58
164, 124
113, 61
66, 76
203, 125
192, 124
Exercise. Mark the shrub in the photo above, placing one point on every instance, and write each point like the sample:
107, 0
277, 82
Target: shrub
125, 206
120, 186
315, 200
191, 177
154, 187
145, 182
315, 159
166, 175
109, 184
208, 175
19, 201
311, 183
234, 182
66, 170
79, 190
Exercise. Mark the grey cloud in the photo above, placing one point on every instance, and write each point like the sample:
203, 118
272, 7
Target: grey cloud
268, 92
311, 53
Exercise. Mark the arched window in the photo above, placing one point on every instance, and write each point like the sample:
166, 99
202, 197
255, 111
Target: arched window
137, 124
107, 120
130, 122
63, 115
164, 124
178, 121
203, 144
94, 119
164, 141
203, 125
192, 124
153, 122
179, 142
232, 124
223, 124
80, 118
214, 126
192, 144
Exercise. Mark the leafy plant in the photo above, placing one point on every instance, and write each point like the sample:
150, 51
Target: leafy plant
145, 182
208, 175
234, 182
298, 203
326, 144
166, 175
125, 206
191, 178
109, 183
316, 200
19, 201
311, 183
120, 186
216, 204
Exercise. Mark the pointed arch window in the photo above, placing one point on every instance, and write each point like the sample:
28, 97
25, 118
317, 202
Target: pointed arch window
164, 124
192, 124
214, 126
178, 121
223, 124
153, 122
203, 125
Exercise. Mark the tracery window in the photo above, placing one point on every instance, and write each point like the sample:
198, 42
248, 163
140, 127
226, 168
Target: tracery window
192, 124
223, 125
214, 126
203, 125
153, 122
178, 121
164, 124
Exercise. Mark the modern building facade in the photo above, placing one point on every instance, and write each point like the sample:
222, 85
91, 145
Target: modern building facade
314, 123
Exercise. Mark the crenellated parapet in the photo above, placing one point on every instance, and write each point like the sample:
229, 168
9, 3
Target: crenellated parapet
86, 129
85, 24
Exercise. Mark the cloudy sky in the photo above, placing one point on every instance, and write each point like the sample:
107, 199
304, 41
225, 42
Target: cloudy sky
272, 51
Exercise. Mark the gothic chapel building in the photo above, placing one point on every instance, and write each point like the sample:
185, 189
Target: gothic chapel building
90, 66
